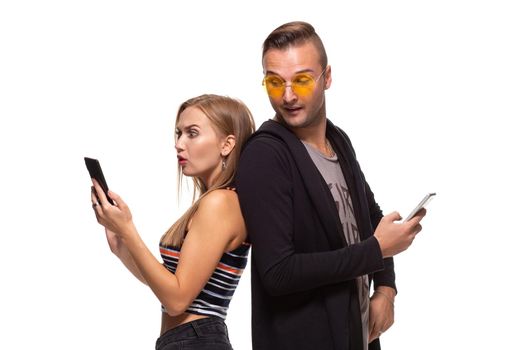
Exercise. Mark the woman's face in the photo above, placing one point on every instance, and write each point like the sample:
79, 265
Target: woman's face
198, 146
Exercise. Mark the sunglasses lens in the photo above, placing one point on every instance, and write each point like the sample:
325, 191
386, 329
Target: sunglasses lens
302, 85
274, 86
275, 92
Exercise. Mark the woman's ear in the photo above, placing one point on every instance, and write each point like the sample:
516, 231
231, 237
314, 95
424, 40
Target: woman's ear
228, 145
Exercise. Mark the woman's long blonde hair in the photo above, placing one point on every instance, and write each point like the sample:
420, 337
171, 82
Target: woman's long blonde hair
228, 116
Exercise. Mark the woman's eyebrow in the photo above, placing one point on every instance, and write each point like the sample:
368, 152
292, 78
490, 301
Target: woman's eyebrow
186, 127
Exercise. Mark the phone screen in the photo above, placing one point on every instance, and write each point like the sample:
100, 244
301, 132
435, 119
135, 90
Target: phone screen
95, 172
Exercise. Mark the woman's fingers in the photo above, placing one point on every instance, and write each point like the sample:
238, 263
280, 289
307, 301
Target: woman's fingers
94, 202
102, 199
117, 200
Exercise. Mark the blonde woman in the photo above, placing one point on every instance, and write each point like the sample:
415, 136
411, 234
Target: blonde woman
205, 251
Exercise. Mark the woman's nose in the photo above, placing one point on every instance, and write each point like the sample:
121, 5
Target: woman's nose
179, 144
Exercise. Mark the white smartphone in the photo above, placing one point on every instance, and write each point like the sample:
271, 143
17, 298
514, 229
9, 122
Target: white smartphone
421, 205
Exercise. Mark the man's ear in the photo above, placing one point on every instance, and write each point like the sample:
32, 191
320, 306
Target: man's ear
328, 77
228, 145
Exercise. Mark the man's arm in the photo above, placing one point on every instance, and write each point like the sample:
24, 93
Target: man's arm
387, 276
265, 193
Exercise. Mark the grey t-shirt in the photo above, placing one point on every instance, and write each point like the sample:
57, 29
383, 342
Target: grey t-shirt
330, 169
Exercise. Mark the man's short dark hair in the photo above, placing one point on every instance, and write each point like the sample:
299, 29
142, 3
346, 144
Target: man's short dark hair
294, 34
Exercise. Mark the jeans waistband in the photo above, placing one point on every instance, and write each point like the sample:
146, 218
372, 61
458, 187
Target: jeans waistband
197, 328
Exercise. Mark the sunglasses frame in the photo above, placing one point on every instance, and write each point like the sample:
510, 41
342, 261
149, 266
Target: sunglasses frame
279, 91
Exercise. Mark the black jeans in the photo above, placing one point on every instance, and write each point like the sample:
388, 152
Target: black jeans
203, 334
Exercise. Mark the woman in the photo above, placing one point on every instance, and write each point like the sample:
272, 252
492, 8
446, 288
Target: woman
204, 251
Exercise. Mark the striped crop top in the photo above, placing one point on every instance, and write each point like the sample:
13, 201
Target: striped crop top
214, 298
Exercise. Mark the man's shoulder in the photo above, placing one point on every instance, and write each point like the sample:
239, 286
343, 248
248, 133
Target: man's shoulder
263, 147
269, 136
331, 127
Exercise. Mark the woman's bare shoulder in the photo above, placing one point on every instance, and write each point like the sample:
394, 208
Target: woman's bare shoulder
220, 199
221, 204
219, 210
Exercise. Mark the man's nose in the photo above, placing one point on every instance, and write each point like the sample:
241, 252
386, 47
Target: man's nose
289, 95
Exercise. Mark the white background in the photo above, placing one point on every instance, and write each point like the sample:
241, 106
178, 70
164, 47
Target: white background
431, 94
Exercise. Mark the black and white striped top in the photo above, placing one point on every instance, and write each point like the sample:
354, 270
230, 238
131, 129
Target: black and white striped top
215, 297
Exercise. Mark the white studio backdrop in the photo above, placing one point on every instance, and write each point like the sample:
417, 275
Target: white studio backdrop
431, 93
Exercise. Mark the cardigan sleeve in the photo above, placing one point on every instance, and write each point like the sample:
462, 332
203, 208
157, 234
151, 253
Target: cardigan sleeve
386, 276
264, 185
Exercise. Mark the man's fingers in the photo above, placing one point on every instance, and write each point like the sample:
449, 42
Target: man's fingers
414, 222
373, 331
394, 216
419, 215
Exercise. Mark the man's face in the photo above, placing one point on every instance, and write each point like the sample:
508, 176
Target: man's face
297, 107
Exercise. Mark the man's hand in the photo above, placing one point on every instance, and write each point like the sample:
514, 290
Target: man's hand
381, 315
395, 237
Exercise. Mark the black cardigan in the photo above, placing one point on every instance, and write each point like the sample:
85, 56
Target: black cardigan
303, 287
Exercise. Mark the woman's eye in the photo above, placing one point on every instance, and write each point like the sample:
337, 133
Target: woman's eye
192, 133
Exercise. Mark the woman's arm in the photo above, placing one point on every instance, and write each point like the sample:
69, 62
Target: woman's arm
122, 252
217, 226
119, 249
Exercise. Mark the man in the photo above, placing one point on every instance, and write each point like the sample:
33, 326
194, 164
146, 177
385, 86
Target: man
318, 235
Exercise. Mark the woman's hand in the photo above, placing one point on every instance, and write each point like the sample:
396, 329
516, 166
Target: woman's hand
114, 242
117, 219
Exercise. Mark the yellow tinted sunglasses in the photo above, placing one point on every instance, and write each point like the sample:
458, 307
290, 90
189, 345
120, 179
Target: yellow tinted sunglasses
302, 84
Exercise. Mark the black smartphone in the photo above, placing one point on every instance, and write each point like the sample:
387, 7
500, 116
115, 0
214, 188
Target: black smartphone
95, 171
420, 206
